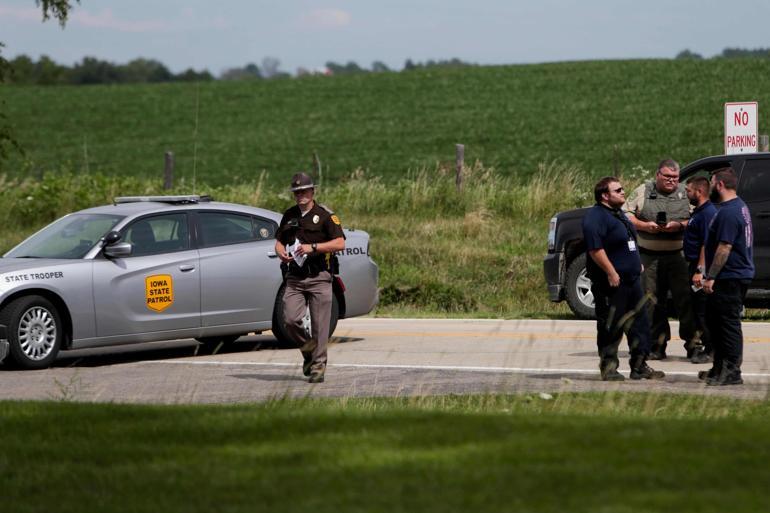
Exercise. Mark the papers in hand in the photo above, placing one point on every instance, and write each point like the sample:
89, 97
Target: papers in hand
291, 250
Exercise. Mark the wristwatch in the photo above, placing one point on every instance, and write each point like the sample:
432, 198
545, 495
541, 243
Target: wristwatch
314, 246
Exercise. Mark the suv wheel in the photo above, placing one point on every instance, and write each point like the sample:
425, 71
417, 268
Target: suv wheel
579, 296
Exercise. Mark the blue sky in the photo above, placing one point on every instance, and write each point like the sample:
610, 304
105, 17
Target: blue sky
215, 35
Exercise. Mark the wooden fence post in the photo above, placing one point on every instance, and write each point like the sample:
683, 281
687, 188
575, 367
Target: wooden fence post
459, 164
168, 171
764, 143
317, 167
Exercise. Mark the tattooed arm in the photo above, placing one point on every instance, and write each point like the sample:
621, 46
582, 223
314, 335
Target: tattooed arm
720, 258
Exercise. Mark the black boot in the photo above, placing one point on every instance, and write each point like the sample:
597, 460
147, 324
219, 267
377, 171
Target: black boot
701, 356
608, 368
712, 373
730, 375
640, 370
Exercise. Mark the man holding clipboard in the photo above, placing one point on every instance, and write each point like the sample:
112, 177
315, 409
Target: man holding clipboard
307, 238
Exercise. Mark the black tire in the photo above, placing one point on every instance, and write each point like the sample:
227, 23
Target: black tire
279, 330
35, 332
578, 289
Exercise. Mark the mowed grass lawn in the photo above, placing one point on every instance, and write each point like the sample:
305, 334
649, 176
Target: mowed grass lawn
577, 453
509, 117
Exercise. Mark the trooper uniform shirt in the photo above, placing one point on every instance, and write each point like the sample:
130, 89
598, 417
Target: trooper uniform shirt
318, 225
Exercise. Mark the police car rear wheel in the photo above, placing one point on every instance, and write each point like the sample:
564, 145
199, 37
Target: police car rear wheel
34, 332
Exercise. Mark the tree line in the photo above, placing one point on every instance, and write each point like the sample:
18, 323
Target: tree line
24, 70
729, 53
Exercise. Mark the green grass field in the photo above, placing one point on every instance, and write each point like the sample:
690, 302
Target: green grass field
578, 453
510, 118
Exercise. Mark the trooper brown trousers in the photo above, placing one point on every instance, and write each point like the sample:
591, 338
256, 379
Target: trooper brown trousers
316, 293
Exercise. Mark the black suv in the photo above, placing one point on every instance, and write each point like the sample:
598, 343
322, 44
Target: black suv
565, 263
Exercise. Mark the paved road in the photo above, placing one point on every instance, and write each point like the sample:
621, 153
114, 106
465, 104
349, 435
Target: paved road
374, 357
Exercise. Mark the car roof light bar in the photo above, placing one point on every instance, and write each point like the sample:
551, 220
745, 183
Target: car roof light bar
174, 200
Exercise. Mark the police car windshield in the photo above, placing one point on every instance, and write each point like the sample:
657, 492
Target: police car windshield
70, 237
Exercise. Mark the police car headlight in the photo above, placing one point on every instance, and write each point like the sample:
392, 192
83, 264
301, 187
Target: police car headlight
552, 234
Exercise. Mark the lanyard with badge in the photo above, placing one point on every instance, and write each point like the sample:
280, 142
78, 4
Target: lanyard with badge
623, 219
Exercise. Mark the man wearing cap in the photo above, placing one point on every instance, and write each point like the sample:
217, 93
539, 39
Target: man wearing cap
306, 241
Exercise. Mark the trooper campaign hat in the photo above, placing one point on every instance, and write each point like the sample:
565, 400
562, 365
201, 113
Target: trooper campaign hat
301, 181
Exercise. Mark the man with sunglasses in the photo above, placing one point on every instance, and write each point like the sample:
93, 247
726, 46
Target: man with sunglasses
306, 240
614, 267
659, 210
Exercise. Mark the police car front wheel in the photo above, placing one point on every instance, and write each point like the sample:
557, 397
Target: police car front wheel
34, 332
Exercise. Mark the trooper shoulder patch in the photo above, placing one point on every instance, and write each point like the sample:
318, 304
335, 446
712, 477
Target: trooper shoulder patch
335, 219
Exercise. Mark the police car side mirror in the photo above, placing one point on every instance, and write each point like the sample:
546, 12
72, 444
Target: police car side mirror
111, 238
119, 250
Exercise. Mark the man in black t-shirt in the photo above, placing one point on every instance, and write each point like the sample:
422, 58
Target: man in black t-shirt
306, 241
729, 271
614, 267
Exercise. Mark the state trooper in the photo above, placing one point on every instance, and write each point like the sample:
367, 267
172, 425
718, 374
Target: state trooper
307, 239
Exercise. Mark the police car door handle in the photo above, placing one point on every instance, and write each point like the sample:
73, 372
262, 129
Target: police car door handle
185, 268
272, 254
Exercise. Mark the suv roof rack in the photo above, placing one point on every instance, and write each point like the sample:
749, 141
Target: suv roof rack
174, 200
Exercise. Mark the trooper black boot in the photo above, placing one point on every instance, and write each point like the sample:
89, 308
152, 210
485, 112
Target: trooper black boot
307, 363
640, 370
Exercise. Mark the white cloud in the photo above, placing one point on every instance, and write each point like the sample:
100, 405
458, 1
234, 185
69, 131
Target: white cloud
106, 20
326, 18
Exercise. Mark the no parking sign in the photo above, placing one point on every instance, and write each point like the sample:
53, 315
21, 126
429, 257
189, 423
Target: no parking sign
741, 122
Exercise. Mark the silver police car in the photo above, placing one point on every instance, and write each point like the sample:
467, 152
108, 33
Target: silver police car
157, 268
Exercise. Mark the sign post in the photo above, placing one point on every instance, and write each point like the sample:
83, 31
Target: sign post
741, 122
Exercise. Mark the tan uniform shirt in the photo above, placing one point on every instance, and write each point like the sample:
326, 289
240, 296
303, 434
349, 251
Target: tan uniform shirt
646, 202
